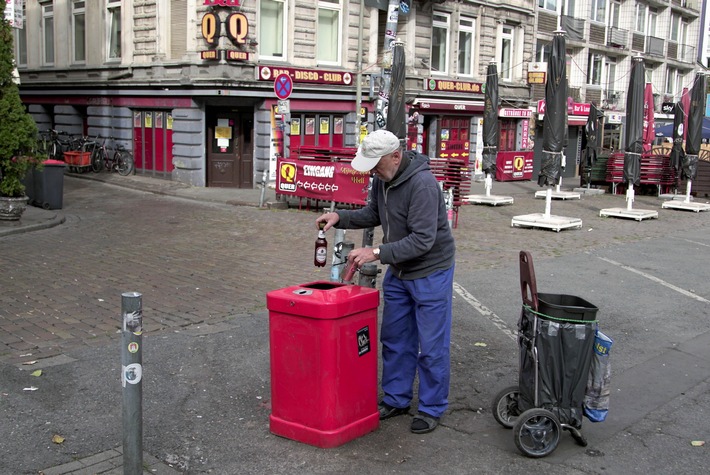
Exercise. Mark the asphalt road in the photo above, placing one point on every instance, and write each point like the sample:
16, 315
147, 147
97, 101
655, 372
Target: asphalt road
204, 270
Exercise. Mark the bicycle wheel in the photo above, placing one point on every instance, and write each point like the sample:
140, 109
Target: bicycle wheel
124, 162
97, 160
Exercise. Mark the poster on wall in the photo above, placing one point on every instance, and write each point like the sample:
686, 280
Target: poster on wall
324, 125
310, 125
296, 127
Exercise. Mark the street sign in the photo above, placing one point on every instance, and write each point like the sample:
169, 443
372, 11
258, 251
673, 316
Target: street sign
283, 85
284, 106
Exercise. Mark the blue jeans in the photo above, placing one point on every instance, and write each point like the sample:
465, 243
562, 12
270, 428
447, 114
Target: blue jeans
416, 335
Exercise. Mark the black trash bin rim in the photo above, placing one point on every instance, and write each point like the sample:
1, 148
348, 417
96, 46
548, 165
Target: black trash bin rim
558, 319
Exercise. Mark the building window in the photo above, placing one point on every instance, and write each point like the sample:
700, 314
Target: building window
679, 29
467, 33
611, 85
652, 21
328, 39
543, 51
440, 43
640, 18
594, 69
21, 41
272, 25
547, 4
79, 31
48, 33
674, 81
599, 10
114, 29
506, 53
614, 8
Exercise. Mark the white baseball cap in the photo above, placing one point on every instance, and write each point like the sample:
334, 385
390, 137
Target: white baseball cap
373, 147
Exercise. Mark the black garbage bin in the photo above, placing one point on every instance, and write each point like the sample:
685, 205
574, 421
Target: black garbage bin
29, 182
49, 185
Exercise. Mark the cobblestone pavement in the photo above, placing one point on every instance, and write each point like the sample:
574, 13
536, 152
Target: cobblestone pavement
204, 267
197, 262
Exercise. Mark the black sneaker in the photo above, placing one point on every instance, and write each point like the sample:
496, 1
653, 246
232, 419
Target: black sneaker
387, 411
423, 423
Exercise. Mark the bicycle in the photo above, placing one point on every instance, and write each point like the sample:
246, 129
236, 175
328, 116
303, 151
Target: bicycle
51, 144
121, 161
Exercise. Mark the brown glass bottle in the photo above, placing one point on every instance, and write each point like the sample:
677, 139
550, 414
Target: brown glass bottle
321, 252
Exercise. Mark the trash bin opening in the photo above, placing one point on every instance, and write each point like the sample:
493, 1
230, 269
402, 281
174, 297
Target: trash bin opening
566, 307
322, 285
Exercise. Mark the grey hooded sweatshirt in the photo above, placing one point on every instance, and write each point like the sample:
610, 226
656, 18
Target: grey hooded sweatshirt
417, 239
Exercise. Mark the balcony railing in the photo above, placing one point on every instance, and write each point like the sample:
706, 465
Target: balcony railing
617, 37
614, 100
686, 53
574, 27
655, 46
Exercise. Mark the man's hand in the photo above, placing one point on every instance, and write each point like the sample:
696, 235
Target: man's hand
330, 220
361, 255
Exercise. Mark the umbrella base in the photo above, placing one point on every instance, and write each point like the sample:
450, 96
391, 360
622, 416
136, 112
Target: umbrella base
637, 214
675, 196
589, 191
686, 205
559, 195
540, 220
492, 200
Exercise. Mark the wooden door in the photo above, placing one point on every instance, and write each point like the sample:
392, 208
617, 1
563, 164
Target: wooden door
230, 150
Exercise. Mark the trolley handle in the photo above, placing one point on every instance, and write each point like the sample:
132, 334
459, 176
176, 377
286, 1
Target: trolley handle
528, 285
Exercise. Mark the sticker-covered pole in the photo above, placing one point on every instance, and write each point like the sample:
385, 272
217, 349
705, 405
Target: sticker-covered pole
131, 380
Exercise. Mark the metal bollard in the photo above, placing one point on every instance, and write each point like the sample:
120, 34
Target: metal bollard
131, 377
338, 257
368, 275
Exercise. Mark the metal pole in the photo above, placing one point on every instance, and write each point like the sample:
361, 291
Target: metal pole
384, 92
358, 85
264, 179
131, 380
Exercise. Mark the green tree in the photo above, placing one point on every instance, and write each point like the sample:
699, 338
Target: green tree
18, 131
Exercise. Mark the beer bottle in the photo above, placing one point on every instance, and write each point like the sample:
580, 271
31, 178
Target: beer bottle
321, 253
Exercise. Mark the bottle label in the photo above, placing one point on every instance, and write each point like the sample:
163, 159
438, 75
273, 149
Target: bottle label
321, 254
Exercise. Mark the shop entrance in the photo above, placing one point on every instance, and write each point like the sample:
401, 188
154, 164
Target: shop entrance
230, 149
153, 143
454, 136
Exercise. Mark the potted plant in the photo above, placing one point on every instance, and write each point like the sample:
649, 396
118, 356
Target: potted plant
18, 131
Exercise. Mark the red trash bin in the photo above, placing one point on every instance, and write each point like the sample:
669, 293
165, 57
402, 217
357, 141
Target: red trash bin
323, 350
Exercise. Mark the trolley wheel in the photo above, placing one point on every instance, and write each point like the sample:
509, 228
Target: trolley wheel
505, 406
577, 436
537, 432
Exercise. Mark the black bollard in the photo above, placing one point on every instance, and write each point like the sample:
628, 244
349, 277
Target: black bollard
131, 380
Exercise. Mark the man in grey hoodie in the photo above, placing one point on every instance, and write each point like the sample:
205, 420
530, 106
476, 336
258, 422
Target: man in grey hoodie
419, 249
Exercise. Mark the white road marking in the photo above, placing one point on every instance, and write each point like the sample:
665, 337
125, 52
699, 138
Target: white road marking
695, 242
483, 310
657, 280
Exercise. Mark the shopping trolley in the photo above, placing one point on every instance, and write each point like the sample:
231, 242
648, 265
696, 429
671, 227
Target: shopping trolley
556, 336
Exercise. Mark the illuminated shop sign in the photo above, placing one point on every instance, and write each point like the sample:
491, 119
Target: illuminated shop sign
446, 85
221, 3
312, 76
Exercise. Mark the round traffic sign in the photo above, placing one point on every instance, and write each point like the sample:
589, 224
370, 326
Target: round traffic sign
283, 85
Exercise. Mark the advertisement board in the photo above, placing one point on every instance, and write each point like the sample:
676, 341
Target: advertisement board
514, 166
321, 180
